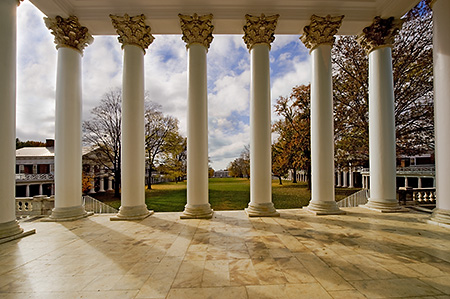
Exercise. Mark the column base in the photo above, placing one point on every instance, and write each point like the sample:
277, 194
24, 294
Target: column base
440, 217
132, 213
390, 206
197, 212
12, 231
323, 208
261, 210
67, 214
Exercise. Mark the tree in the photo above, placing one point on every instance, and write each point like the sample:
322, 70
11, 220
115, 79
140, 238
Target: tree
240, 167
292, 147
175, 160
413, 90
29, 143
103, 133
161, 138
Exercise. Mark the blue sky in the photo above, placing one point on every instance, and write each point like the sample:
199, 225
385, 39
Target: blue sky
165, 80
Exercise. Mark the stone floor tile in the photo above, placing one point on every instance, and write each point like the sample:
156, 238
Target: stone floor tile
243, 278
306, 290
347, 294
298, 254
403, 287
215, 278
440, 283
426, 270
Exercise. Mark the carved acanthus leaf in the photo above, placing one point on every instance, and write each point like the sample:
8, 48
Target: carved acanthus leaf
380, 34
197, 29
69, 33
132, 30
259, 30
321, 31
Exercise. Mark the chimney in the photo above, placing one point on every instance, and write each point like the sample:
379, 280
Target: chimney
49, 142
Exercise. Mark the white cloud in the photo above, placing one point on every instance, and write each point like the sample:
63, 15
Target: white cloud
165, 80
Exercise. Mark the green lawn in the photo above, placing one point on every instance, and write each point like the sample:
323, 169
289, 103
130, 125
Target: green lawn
227, 194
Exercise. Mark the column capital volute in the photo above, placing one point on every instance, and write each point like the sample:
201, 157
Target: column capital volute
69, 33
259, 30
197, 29
18, 2
381, 33
321, 31
132, 30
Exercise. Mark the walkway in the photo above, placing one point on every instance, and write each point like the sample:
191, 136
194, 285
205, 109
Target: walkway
358, 255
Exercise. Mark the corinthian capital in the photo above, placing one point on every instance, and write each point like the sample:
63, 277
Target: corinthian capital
132, 30
197, 29
380, 34
18, 2
69, 33
321, 31
259, 30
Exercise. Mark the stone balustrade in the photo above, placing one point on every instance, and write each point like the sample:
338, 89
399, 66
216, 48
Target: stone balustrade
30, 177
34, 206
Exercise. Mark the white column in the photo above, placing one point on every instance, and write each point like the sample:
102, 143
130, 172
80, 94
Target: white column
260, 116
351, 178
92, 183
133, 205
110, 184
441, 72
419, 182
9, 227
27, 190
406, 182
381, 115
339, 178
40, 189
68, 173
102, 184
345, 174
197, 205
322, 131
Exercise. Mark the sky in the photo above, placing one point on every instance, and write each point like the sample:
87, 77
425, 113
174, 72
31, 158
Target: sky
165, 81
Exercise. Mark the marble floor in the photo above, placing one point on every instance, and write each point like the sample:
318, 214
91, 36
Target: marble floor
362, 254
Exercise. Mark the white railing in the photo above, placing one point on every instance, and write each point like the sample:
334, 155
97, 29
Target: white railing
34, 177
93, 205
424, 195
409, 170
354, 200
39, 205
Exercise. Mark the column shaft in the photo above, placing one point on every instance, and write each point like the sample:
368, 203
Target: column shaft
197, 142
260, 140
441, 72
68, 200
9, 227
339, 178
133, 147
322, 134
382, 132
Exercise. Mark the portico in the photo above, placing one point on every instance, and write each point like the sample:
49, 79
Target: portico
86, 18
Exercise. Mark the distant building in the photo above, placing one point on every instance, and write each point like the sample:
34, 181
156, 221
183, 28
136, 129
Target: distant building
35, 167
221, 174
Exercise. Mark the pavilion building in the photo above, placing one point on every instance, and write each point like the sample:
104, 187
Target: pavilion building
73, 23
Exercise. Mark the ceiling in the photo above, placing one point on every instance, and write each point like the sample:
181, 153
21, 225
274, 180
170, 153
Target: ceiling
162, 16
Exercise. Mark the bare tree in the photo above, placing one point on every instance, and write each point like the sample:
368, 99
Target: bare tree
103, 133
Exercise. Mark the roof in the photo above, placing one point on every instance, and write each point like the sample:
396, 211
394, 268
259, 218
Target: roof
46, 151
35, 152
162, 16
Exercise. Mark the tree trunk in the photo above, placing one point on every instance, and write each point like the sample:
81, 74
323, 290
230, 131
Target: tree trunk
279, 178
117, 175
294, 173
149, 180
308, 174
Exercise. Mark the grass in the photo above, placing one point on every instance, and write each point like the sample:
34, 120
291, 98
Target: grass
224, 194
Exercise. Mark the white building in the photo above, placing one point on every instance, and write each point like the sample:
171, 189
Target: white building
72, 22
